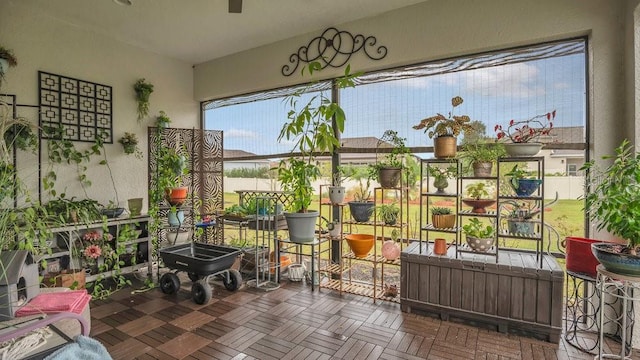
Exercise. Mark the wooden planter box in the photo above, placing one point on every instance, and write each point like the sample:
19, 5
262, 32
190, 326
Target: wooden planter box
512, 295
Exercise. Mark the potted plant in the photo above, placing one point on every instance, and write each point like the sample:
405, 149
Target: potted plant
478, 197
313, 128
523, 134
388, 213
143, 90
480, 156
336, 190
389, 170
480, 238
130, 144
613, 202
7, 60
361, 207
162, 120
519, 217
445, 130
172, 166
441, 175
523, 181
442, 218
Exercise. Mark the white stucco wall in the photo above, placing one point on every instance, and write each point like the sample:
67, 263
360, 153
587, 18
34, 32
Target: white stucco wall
42, 43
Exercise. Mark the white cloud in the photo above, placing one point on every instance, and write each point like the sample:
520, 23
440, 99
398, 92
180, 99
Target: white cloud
514, 80
424, 82
561, 85
238, 133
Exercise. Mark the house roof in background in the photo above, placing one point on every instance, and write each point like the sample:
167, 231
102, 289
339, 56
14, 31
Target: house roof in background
565, 135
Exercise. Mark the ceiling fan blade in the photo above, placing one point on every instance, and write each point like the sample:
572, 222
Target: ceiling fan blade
235, 6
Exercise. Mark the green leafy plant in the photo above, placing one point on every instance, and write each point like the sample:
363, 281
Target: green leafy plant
388, 212
523, 210
172, 166
311, 128
11, 59
15, 131
394, 159
482, 151
8, 55
613, 195
363, 176
74, 211
477, 229
236, 210
516, 174
440, 211
442, 173
143, 91
451, 125
478, 190
163, 120
130, 144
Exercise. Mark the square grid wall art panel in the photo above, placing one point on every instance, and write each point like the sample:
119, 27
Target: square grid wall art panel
75, 109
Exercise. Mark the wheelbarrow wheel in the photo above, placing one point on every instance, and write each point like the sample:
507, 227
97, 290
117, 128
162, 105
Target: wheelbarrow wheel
169, 283
234, 281
194, 277
201, 292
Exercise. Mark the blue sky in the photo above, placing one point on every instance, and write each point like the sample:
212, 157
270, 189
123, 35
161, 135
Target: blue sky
493, 95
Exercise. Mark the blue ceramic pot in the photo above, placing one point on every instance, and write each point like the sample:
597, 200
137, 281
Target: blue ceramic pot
608, 254
526, 187
175, 218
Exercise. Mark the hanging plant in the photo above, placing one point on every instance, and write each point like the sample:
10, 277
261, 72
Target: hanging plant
143, 91
162, 120
130, 143
7, 60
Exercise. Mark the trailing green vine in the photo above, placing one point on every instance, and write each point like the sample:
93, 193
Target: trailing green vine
143, 91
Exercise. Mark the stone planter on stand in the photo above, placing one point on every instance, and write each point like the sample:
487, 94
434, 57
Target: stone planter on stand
522, 149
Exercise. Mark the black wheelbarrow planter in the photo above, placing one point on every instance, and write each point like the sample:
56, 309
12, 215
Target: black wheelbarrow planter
200, 262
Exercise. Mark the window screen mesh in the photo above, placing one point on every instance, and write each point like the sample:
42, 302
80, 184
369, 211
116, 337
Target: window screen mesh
496, 87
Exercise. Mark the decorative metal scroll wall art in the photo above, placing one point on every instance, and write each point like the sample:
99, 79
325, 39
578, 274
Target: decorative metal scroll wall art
81, 109
334, 48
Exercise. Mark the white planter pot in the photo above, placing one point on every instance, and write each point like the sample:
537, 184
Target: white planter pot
176, 237
336, 194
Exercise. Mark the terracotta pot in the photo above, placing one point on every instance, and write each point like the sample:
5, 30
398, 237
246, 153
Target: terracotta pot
360, 244
443, 221
177, 196
479, 205
445, 147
